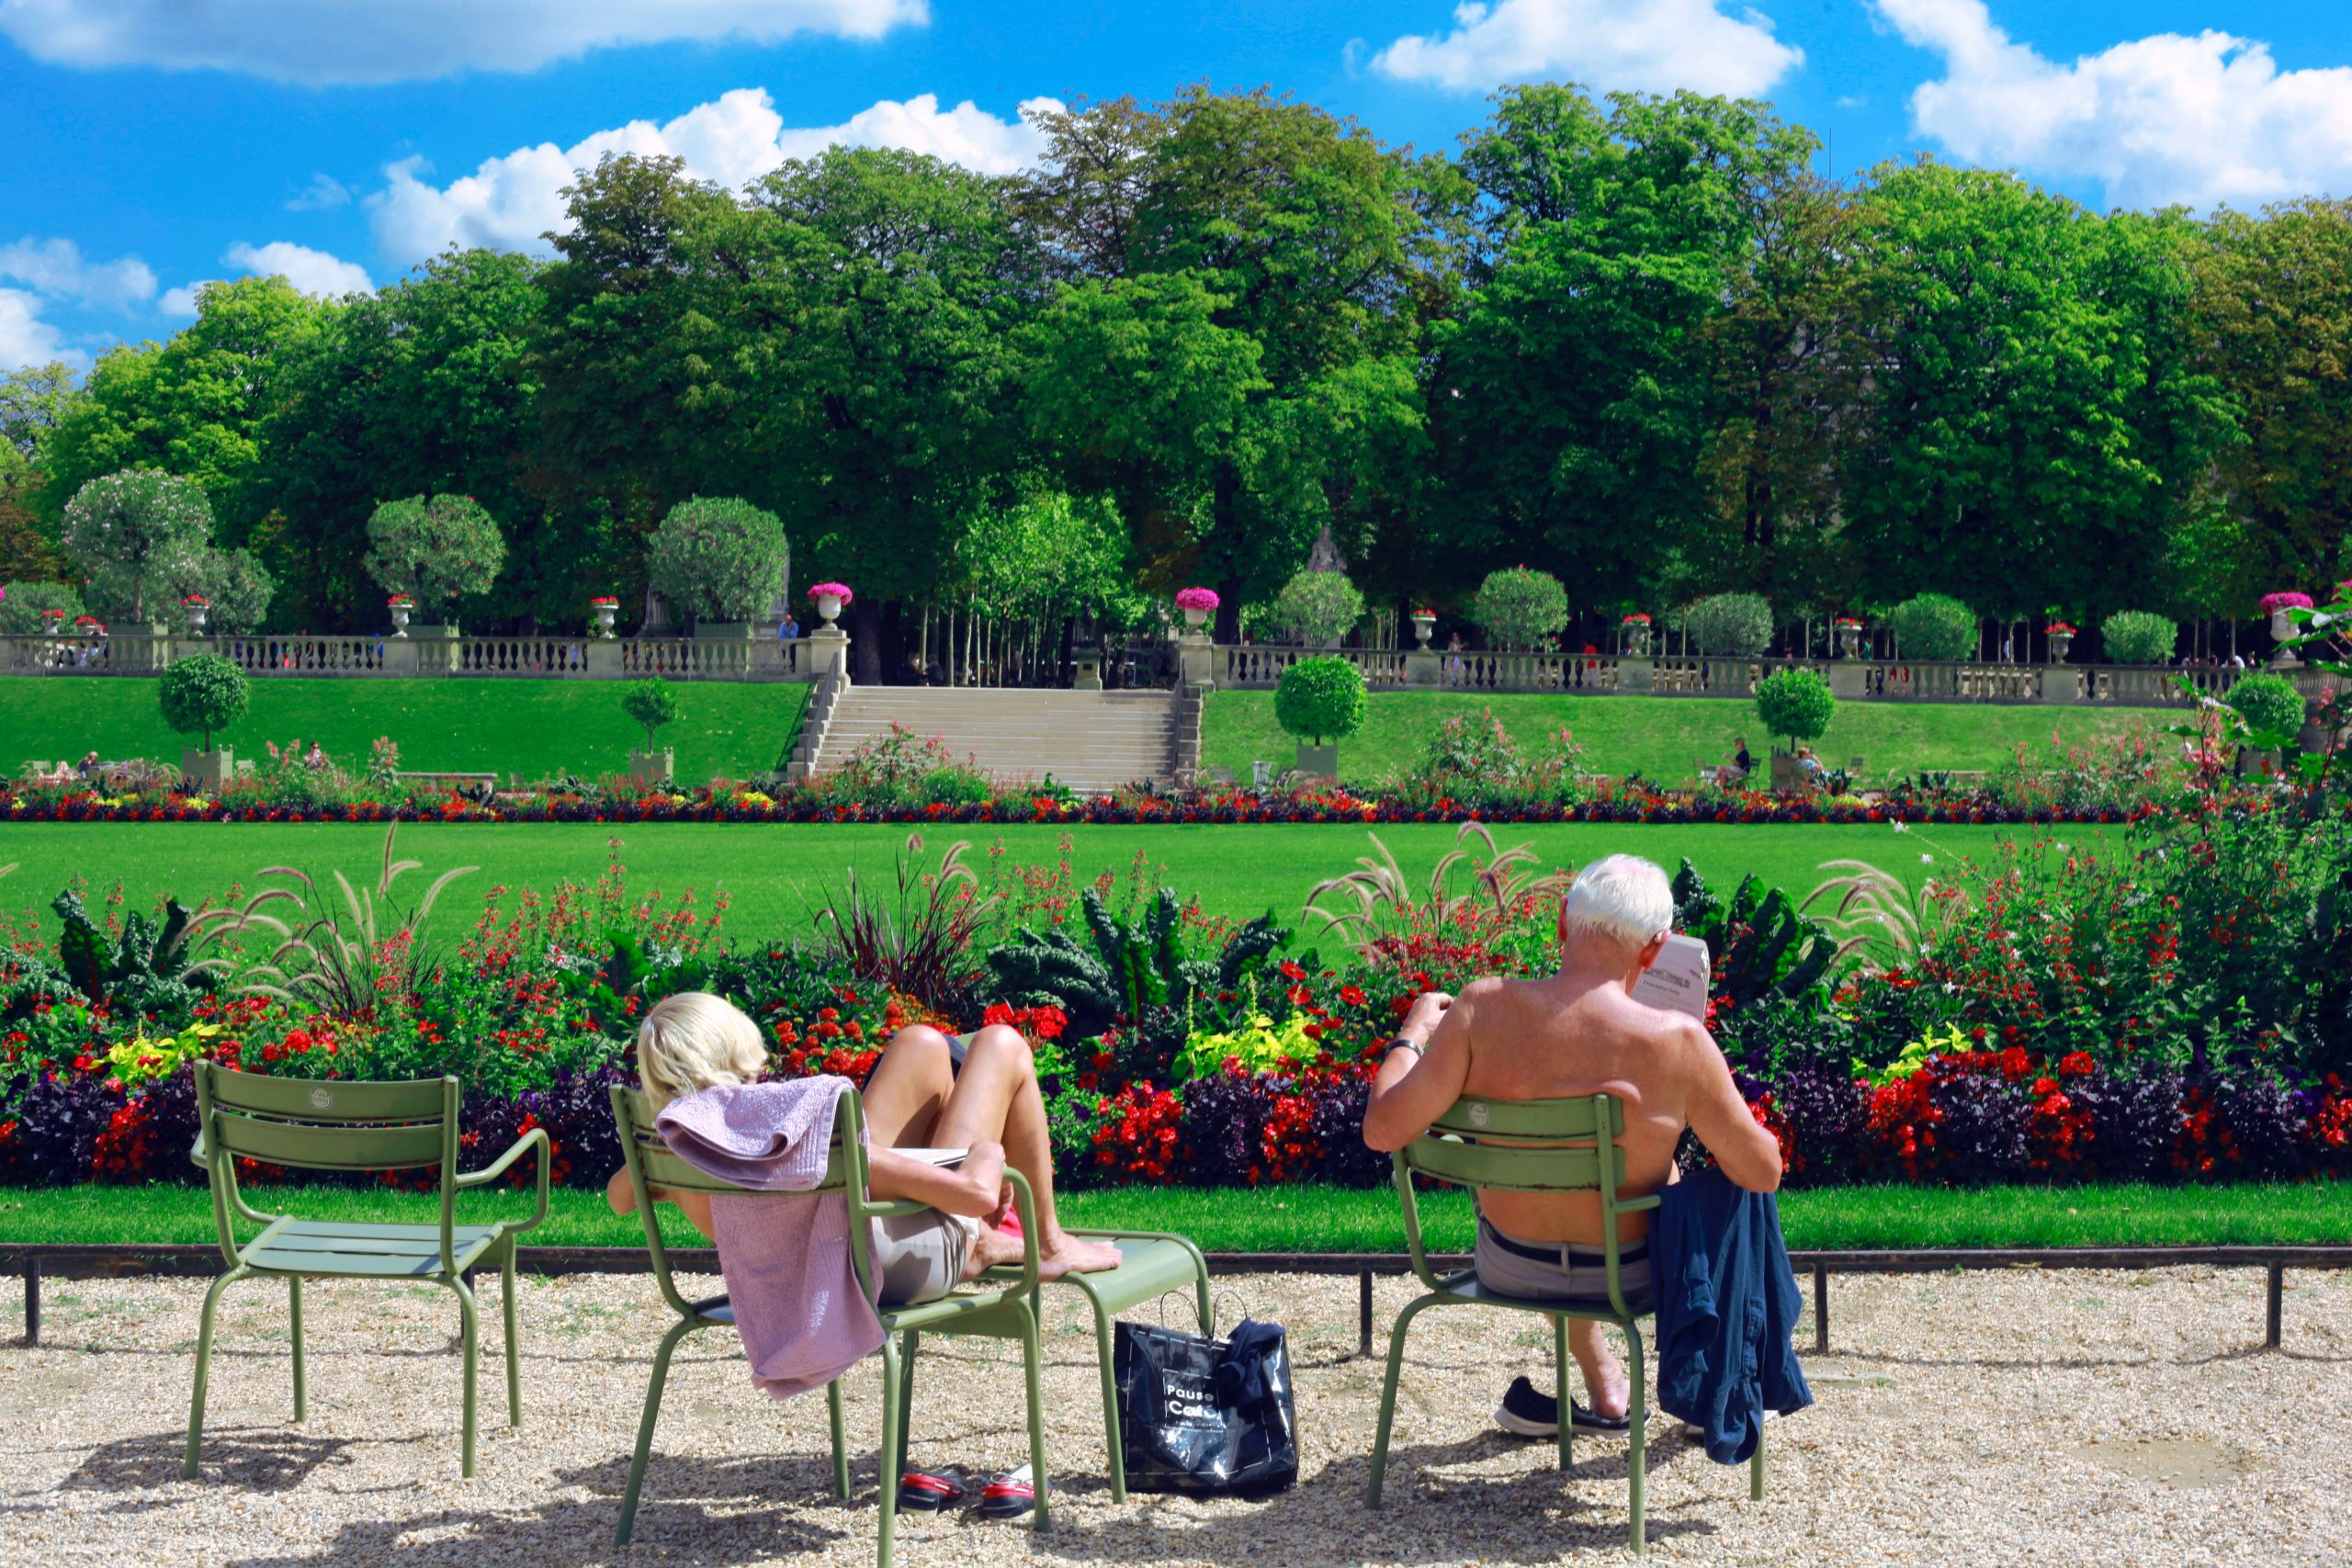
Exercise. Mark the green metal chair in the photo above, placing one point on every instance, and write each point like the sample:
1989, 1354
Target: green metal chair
1535, 1145
332, 1125
1000, 1308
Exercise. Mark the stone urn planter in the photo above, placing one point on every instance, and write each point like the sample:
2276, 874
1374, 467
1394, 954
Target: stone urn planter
204, 772
1196, 619
605, 609
1786, 776
829, 607
401, 613
1849, 637
651, 770
1320, 762
2060, 643
1424, 627
197, 613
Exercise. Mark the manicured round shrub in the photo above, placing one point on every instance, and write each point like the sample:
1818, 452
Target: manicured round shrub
1934, 626
1738, 624
2269, 703
1320, 699
1796, 704
202, 695
1519, 607
652, 703
20, 611
1320, 607
434, 549
2136, 637
718, 558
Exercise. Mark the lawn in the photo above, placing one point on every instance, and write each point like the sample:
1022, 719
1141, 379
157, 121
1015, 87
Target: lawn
1664, 739
770, 871
536, 728
1320, 1219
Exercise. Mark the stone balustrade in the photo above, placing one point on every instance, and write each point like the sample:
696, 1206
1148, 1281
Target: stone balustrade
528, 658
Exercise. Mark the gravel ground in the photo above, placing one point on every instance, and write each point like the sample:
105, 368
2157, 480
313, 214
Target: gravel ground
2013, 1417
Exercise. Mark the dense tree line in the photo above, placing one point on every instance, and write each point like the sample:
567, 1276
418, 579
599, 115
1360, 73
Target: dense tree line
1633, 340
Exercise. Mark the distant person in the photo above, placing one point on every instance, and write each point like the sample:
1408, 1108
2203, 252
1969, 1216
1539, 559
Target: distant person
789, 630
1743, 762
1808, 764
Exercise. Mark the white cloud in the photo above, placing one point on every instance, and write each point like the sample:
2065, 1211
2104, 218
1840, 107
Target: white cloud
2160, 119
323, 192
298, 40
26, 339
55, 267
310, 271
509, 202
1653, 46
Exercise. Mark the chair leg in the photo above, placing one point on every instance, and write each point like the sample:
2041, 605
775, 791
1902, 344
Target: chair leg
514, 1363
1756, 1465
909, 1345
1114, 1438
840, 1442
1388, 1398
1635, 1456
886, 1535
470, 1350
1033, 1360
1560, 1391
294, 1315
203, 1369
645, 1429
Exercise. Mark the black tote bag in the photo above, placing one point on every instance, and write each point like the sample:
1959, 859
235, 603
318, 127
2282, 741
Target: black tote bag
1186, 1428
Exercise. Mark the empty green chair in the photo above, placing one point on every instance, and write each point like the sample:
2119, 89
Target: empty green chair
1534, 1146
996, 1307
310, 1125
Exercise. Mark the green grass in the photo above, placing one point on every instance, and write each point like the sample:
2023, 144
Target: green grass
770, 870
536, 728
1323, 1219
1664, 739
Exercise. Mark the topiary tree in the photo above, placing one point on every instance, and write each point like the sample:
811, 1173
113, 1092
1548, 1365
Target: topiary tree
1797, 704
1320, 699
2270, 705
20, 610
203, 694
1934, 626
1738, 625
652, 703
1320, 607
136, 537
718, 558
434, 549
2138, 636
1519, 607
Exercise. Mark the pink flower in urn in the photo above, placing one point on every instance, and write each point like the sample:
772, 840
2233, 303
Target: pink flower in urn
1202, 599
2274, 603
833, 591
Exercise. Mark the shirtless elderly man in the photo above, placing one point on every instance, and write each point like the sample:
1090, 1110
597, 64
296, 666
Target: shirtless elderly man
1578, 1032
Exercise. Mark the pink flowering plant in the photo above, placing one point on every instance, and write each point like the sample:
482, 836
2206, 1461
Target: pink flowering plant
1202, 599
833, 591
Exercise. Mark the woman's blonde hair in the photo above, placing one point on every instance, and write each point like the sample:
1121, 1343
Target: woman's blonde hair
695, 1041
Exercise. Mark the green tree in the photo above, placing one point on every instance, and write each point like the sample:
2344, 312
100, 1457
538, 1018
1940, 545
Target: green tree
33, 400
1736, 624
718, 560
1520, 607
436, 550
652, 703
1794, 704
1934, 626
1320, 607
138, 538
2138, 636
203, 694
1320, 699
1573, 393
1251, 277
20, 611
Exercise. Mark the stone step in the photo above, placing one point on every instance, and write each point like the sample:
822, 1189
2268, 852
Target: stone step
1091, 741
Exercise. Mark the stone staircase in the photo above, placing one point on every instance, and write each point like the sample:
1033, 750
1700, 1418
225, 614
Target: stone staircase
1093, 742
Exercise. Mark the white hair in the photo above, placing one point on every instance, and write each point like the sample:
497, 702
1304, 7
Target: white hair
1621, 900
693, 1040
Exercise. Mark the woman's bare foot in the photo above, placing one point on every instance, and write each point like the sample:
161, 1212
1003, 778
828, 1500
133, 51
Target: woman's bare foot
989, 1248
1061, 1253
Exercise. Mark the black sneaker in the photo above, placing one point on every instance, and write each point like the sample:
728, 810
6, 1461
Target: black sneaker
1526, 1413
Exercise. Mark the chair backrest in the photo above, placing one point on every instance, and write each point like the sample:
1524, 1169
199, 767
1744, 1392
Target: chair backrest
323, 1124
1523, 1146
652, 1166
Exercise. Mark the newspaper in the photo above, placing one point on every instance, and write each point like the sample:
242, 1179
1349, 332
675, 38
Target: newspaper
1678, 981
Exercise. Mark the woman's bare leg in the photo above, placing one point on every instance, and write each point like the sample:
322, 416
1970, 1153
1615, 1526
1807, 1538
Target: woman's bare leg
908, 1088
996, 1097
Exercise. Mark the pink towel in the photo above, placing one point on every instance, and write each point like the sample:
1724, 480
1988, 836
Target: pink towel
798, 1305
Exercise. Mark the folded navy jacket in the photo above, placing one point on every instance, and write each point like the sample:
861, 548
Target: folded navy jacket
1727, 1304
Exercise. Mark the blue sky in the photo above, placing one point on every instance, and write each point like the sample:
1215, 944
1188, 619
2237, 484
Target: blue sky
150, 144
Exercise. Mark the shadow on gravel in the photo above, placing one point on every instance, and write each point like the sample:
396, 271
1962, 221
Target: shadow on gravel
238, 1458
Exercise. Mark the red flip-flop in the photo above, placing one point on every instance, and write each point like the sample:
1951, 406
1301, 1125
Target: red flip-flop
929, 1492
1008, 1496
